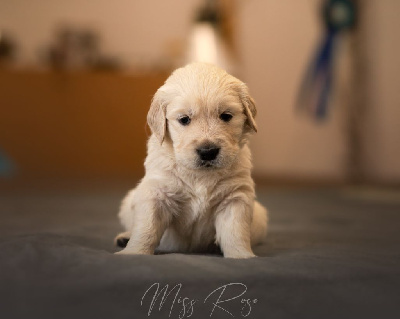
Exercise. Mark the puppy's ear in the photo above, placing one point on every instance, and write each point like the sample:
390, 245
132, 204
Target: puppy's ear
249, 107
156, 117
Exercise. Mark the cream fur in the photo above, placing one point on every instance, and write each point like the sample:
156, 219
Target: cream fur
179, 205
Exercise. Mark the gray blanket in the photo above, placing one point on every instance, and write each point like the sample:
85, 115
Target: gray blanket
328, 254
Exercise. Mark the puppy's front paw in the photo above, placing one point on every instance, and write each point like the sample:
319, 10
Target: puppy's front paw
128, 251
239, 255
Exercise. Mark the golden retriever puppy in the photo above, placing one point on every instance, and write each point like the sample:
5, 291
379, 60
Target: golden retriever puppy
197, 190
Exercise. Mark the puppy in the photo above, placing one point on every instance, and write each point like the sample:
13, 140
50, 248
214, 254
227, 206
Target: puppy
197, 190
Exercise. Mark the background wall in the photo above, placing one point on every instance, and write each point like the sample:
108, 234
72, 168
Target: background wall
382, 95
134, 30
274, 60
275, 40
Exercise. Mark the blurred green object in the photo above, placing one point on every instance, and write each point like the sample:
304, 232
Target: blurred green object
339, 15
7, 167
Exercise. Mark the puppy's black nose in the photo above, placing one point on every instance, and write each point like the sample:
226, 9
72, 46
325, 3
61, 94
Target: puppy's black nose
208, 153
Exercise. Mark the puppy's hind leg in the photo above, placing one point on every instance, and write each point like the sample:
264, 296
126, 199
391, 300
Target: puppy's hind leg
121, 240
126, 217
259, 224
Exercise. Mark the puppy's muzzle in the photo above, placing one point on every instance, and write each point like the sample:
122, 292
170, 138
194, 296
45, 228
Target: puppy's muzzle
208, 152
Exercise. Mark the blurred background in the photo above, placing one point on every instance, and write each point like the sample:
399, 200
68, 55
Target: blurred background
77, 78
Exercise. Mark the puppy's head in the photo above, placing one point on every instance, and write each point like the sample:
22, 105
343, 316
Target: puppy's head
205, 113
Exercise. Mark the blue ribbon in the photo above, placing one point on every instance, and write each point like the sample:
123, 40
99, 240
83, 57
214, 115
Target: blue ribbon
316, 88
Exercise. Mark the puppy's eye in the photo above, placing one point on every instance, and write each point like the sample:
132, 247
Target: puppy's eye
184, 120
226, 117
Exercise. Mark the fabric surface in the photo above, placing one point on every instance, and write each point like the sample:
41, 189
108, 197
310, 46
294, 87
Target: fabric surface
328, 254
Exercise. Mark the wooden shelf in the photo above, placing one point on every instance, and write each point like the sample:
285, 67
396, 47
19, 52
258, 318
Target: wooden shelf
76, 124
